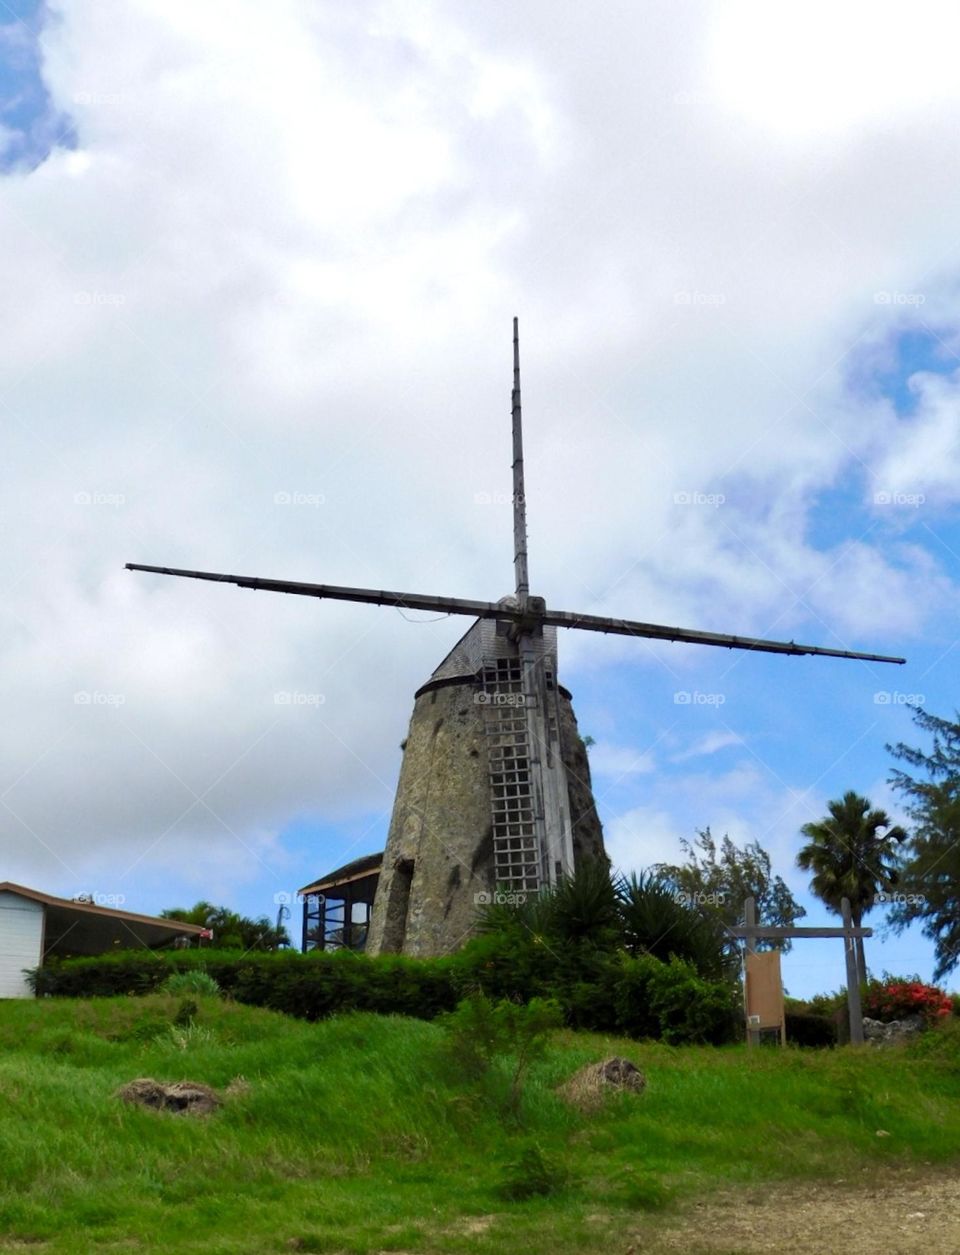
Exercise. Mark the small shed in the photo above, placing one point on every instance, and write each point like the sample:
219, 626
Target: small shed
336, 908
36, 926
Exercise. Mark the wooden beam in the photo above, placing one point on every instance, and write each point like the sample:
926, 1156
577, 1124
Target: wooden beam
853, 975
762, 933
750, 916
655, 631
526, 617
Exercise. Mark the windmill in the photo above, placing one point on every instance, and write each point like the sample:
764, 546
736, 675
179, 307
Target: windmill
494, 794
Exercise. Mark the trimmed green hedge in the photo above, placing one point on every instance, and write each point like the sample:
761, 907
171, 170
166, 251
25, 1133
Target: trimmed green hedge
600, 991
807, 1028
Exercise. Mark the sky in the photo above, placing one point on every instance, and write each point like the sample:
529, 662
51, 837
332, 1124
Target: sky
259, 265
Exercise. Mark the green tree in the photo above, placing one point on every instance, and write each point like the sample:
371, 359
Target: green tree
720, 879
852, 853
929, 885
230, 930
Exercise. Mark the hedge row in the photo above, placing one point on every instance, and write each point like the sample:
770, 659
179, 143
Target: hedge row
638, 997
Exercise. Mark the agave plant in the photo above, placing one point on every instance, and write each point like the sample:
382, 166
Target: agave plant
656, 920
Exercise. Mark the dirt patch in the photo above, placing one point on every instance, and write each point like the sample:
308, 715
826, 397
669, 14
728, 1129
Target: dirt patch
910, 1211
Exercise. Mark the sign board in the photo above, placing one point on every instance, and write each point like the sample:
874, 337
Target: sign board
763, 991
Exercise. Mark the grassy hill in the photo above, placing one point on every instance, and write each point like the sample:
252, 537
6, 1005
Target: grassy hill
353, 1135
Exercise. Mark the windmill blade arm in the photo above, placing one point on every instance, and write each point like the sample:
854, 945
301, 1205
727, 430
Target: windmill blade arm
655, 631
525, 619
372, 596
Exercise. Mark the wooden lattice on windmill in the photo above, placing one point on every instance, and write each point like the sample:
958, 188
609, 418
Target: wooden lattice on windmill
494, 793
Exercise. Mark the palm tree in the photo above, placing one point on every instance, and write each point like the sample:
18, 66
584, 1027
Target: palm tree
852, 854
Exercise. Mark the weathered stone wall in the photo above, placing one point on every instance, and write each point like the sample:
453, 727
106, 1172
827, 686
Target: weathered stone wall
587, 829
439, 852
440, 840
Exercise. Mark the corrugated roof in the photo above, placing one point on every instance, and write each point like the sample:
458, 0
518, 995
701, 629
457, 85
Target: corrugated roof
90, 908
365, 866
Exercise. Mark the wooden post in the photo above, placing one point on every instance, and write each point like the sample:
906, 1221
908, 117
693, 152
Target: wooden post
853, 976
750, 919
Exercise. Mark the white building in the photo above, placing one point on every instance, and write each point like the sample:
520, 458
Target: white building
35, 926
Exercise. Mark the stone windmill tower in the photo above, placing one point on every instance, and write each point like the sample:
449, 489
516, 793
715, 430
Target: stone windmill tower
494, 793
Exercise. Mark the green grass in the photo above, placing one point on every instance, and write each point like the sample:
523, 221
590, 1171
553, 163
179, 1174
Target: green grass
353, 1136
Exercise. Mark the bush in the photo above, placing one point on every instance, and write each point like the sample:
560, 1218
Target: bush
196, 981
691, 1009
481, 1032
806, 1028
599, 990
892, 999
531, 1175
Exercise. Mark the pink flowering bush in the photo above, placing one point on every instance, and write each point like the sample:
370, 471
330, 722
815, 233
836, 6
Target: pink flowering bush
892, 999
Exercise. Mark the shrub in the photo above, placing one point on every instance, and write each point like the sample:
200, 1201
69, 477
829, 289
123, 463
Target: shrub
806, 1028
596, 989
691, 1009
196, 981
531, 1175
891, 999
480, 1032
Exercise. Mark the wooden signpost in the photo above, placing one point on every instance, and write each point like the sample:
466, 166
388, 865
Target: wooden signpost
763, 977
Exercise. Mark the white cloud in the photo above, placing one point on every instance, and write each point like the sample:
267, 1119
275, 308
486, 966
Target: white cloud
710, 743
618, 761
283, 259
920, 464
